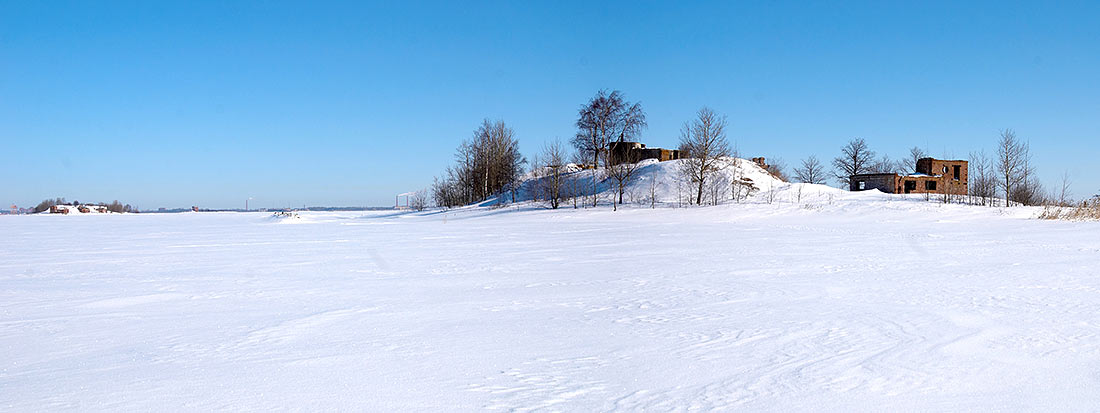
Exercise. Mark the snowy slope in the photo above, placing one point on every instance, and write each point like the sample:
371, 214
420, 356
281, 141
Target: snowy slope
863, 302
664, 180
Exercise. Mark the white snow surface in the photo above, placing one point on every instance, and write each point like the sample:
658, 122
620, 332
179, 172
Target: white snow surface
663, 181
844, 302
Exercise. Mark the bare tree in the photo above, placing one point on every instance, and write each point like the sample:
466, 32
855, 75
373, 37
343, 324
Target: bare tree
621, 171
741, 188
704, 141
777, 167
1029, 190
856, 158
886, 165
1064, 194
811, 171
45, 205
1009, 163
606, 118
115, 206
654, 184
553, 158
737, 175
983, 182
419, 200
536, 181
576, 189
716, 188
486, 165
915, 154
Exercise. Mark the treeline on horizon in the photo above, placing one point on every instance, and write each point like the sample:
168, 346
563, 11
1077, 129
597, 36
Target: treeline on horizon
113, 206
489, 164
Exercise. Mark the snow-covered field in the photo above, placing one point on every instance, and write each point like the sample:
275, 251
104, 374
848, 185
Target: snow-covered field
854, 303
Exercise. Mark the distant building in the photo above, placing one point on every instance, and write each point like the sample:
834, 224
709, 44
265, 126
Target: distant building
760, 162
629, 152
83, 209
936, 176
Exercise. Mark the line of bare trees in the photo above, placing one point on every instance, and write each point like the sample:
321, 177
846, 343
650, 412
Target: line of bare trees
1009, 173
605, 119
490, 164
486, 165
550, 174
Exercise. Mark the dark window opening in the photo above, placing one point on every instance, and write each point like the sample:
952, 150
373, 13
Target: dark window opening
910, 186
930, 185
958, 170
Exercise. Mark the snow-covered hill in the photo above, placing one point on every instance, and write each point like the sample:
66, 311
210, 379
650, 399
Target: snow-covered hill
661, 184
664, 182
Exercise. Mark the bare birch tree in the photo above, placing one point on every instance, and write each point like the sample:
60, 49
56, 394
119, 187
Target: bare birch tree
704, 141
553, 158
488, 164
983, 182
1009, 163
1029, 191
606, 118
654, 184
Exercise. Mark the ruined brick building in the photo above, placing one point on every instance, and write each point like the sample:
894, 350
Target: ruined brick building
631, 152
936, 176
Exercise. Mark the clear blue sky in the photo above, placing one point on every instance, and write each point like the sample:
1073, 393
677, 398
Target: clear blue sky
208, 103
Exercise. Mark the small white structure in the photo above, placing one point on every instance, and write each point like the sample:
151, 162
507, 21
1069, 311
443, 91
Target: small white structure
397, 200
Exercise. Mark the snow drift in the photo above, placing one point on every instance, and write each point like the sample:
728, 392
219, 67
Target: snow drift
858, 304
657, 182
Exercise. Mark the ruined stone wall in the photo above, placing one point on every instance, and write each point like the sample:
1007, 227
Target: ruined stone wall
953, 175
883, 182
